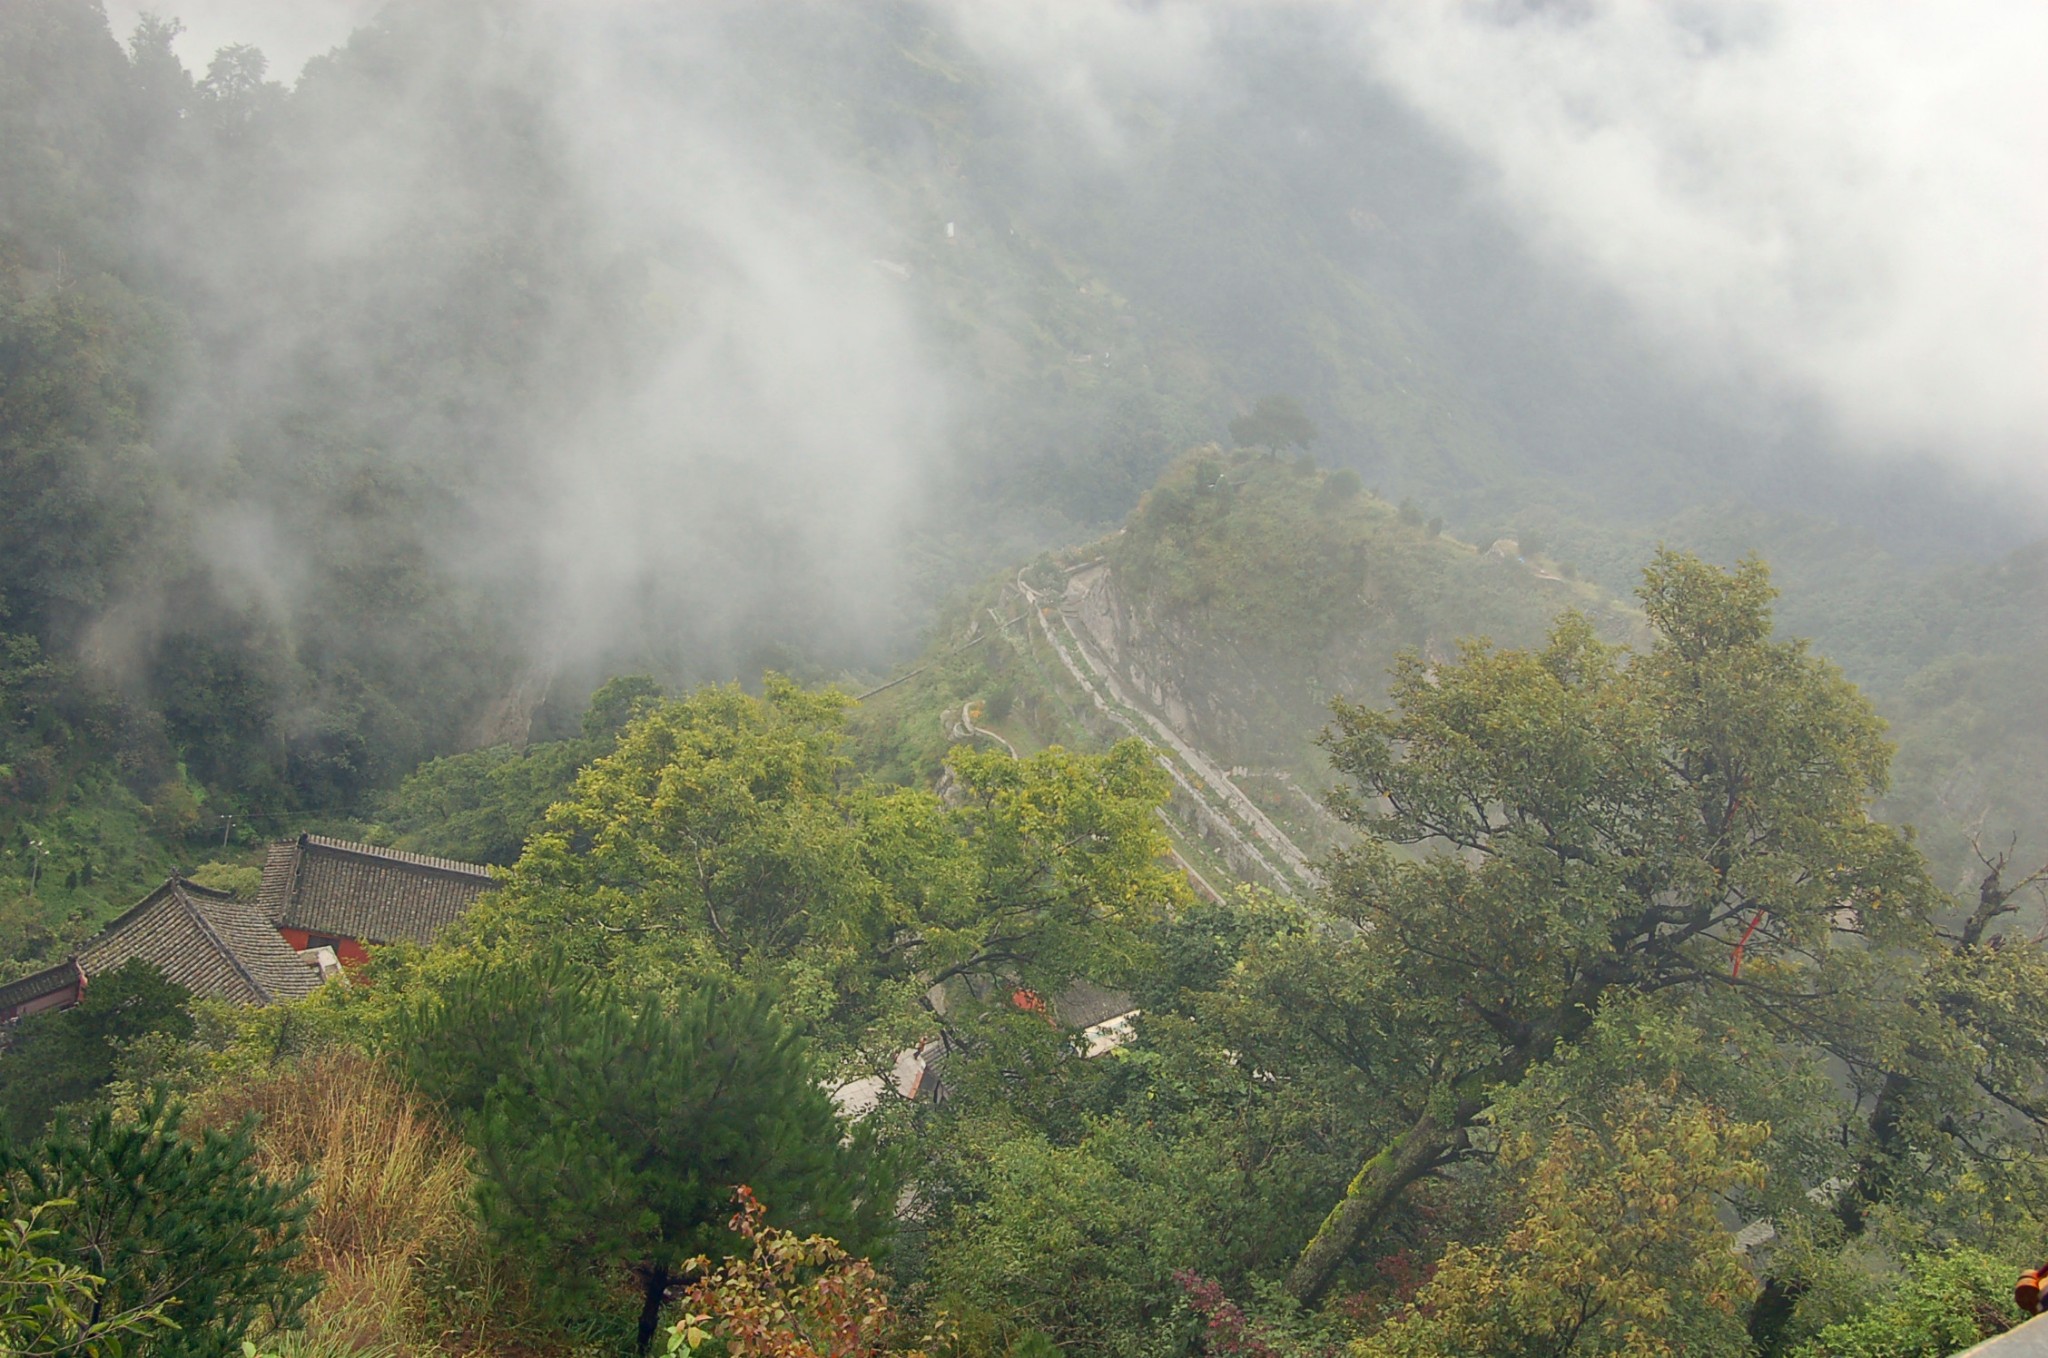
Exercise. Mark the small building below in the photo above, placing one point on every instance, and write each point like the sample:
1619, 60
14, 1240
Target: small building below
323, 903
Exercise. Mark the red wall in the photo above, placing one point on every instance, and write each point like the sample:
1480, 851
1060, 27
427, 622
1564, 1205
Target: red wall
56, 999
351, 953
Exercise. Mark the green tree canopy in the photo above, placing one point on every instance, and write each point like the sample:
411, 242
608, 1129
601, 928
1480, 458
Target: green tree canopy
478, 806
1687, 820
725, 839
1612, 1241
68, 1055
1943, 1304
166, 1220
50, 1308
611, 1134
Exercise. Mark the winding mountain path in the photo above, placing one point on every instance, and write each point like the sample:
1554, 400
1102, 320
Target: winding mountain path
1232, 814
970, 730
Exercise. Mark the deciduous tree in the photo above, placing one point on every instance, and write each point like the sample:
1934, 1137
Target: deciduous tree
725, 839
1612, 1242
787, 1297
1690, 819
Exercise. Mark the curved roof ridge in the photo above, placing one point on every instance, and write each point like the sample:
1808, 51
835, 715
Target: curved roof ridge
127, 916
405, 856
234, 958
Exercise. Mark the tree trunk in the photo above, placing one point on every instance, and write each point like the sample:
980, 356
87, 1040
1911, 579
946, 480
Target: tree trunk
1432, 1140
1772, 1312
1878, 1166
1371, 1195
655, 1281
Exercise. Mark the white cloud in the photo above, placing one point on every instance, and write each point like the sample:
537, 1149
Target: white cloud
736, 413
781, 429
1087, 60
1844, 198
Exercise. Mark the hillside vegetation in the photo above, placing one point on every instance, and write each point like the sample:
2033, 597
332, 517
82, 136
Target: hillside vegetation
1110, 722
1559, 1013
265, 478
1246, 593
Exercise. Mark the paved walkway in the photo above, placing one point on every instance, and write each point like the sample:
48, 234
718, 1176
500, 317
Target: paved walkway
2028, 1341
1266, 841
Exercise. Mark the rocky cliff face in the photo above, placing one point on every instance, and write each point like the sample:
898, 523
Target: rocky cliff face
1245, 596
1248, 702
1247, 706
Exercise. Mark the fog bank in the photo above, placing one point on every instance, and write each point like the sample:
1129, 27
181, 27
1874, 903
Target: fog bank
1845, 199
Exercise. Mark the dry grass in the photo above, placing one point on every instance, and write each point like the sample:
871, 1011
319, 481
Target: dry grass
408, 1272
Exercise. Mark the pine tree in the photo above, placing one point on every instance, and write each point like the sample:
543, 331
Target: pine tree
185, 1222
610, 1135
50, 1308
69, 1055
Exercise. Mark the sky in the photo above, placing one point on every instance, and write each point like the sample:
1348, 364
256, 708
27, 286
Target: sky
1842, 199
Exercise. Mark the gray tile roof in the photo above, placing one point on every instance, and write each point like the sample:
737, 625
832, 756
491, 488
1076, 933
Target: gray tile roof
1084, 1004
206, 941
38, 984
329, 886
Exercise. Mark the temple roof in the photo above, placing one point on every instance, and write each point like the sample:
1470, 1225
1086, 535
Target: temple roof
1085, 1004
38, 984
332, 887
204, 940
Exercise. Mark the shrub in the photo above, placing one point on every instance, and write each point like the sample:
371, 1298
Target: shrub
1947, 1302
390, 1216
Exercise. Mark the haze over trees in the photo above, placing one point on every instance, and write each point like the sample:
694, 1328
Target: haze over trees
513, 432
1273, 422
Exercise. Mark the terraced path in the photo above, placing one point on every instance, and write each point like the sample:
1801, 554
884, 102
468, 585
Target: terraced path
1226, 811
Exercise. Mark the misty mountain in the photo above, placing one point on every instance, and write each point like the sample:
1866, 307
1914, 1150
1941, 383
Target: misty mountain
1199, 677
382, 414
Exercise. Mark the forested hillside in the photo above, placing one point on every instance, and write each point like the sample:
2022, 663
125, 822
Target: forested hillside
1560, 1015
1114, 713
326, 398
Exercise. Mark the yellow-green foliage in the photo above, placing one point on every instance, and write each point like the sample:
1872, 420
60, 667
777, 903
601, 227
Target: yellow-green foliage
1613, 1243
50, 1308
1944, 1304
241, 878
